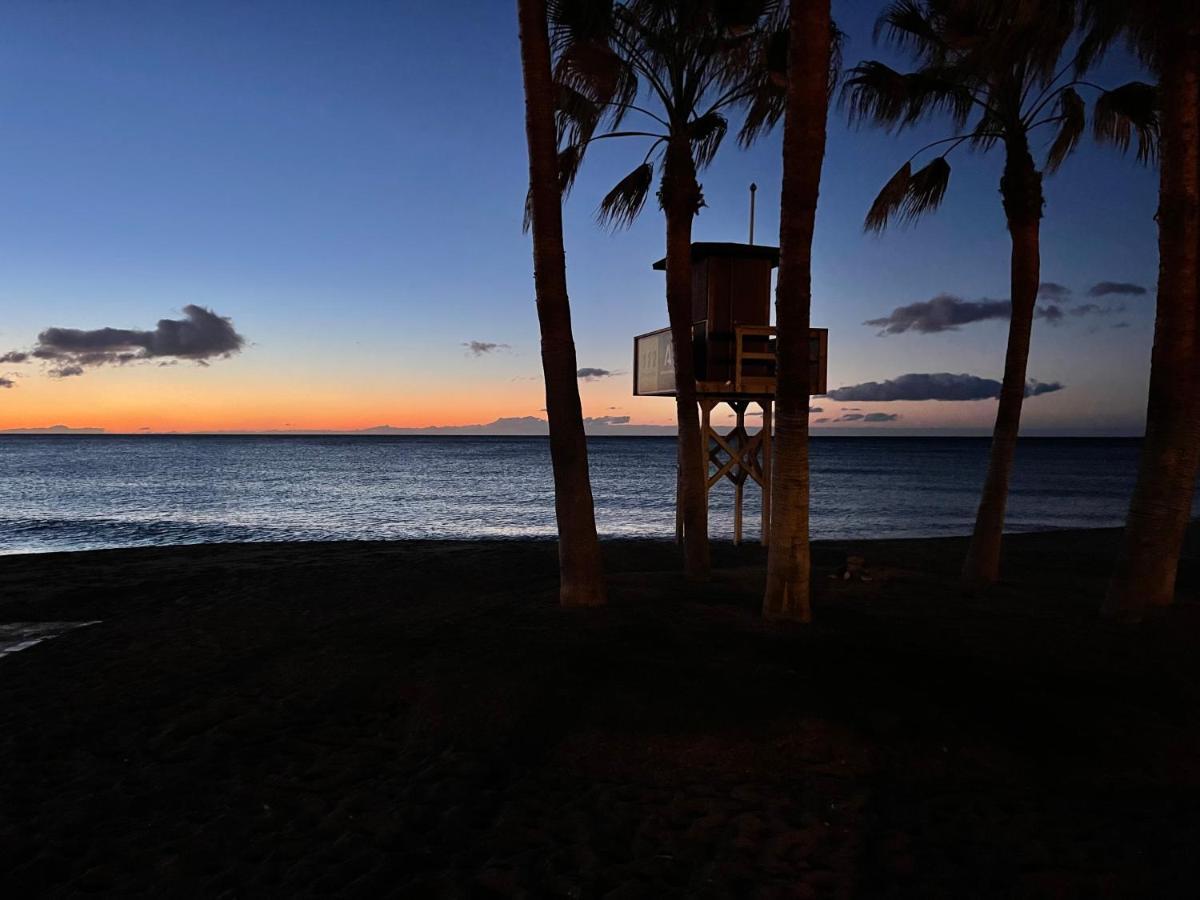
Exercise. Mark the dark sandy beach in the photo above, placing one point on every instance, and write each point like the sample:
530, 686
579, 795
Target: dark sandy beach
421, 720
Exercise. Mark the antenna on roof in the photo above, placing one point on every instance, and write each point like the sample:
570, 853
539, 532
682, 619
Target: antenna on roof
753, 188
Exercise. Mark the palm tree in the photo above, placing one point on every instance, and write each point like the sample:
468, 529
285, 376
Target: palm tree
811, 38
994, 68
1166, 35
679, 66
581, 574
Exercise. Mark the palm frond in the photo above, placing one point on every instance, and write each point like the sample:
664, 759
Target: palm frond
986, 131
909, 194
877, 93
1126, 111
706, 134
907, 25
926, 188
569, 160
1072, 114
889, 199
621, 205
576, 115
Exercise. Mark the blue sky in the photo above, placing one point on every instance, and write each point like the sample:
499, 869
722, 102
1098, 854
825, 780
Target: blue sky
345, 181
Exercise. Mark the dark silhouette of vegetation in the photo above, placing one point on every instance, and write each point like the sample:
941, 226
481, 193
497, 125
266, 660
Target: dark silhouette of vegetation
1165, 35
811, 37
995, 69
581, 574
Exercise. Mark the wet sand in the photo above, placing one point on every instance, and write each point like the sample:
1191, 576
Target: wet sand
419, 719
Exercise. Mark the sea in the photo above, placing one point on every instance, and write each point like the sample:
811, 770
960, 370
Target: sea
83, 492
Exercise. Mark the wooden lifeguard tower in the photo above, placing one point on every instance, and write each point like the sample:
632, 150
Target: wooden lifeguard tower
733, 344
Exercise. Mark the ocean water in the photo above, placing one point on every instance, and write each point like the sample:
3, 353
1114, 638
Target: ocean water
86, 492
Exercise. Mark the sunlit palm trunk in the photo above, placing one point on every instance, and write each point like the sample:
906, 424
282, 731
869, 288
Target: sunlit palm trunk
681, 200
1021, 188
581, 575
1162, 500
788, 562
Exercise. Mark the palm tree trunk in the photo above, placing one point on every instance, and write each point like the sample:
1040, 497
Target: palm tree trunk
1021, 188
581, 573
788, 562
1162, 499
681, 200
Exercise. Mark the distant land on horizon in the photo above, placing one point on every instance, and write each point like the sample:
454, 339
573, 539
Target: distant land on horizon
532, 426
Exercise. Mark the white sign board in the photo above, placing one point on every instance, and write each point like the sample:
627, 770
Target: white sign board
654, 364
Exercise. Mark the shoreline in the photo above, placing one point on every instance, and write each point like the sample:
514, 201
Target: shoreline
420, 719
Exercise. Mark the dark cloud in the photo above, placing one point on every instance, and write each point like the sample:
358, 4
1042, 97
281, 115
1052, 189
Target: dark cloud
944, 312
821, 421
881, 417
7, 382
811, 409
590, 374
1052, 290
479, 348
14, 356
850, 417
1052, 313
933, 386
606, 420
200, 336
1105, 288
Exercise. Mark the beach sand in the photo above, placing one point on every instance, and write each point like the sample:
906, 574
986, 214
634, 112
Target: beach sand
420, 719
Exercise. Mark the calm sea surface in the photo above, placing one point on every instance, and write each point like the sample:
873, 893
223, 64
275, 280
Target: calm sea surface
80, 492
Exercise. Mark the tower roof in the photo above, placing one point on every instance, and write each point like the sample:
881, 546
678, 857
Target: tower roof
705, 249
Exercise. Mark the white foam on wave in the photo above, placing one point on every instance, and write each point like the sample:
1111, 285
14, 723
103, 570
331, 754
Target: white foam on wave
17, 636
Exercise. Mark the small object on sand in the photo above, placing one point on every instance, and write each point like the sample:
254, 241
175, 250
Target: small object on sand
854, 568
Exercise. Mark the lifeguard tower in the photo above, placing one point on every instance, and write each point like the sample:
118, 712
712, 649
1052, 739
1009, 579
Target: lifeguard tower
733, 344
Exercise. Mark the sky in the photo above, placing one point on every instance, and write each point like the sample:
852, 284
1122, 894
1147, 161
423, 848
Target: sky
344, 183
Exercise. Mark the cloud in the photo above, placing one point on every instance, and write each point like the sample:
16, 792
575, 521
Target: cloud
1121, 325
590, 374
200, 336
479, 348
1051, 313
606, 420
1095, 309
811, 409
850, 417
14, 356
945, 312
933, 386
881, 417
1105, 288
822, 421
1052, 290
7, 382
863, 417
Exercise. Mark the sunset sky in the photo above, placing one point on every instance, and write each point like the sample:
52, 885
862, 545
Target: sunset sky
344, 182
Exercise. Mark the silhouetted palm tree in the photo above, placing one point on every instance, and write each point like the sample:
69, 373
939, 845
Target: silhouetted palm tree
581, 574
811, 38
994, 68
1166, 35
678, 66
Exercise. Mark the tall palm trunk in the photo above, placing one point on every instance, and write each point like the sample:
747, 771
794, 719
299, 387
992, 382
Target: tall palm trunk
1021, 190
788, 563
681, 199
1162, 499
581, 575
